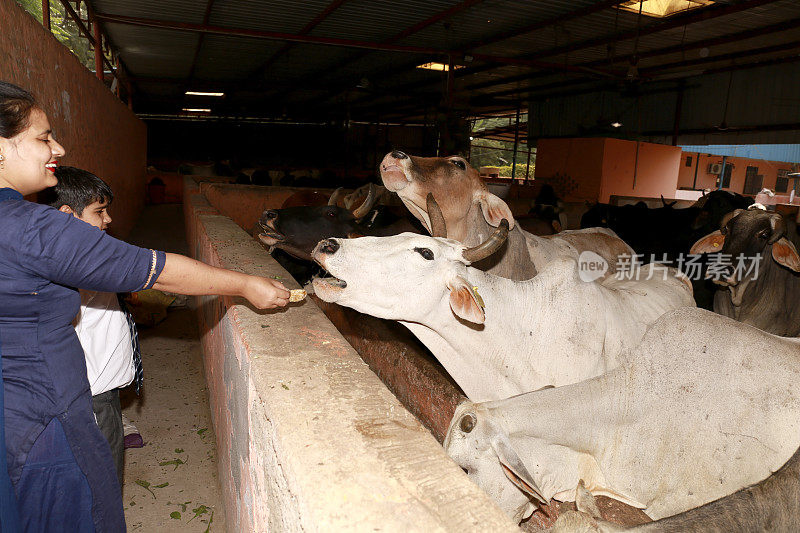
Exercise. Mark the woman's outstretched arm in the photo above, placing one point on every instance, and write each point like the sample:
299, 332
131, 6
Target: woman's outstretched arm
183, 275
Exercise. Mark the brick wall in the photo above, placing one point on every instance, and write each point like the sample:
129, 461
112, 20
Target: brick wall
98, 131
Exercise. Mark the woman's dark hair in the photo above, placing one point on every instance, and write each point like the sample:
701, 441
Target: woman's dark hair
16, 105
78, 189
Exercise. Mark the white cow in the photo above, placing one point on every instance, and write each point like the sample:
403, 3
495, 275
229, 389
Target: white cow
704, 406
496, 337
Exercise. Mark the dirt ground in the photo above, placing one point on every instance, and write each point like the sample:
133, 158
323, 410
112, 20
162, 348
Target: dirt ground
171, 483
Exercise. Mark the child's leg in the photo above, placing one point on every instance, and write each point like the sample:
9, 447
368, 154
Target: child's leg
108, 413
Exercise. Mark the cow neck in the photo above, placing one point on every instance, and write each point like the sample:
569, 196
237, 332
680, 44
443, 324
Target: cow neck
476, 351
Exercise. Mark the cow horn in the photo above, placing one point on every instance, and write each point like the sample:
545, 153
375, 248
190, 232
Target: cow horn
489, 246
335, 196
438, 224
366, 206
778, 226
727, 218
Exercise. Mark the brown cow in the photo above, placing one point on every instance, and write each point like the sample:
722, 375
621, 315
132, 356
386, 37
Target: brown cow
472, 212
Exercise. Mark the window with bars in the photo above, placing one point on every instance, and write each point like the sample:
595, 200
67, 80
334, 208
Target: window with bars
688, 160
782, 183
753, 181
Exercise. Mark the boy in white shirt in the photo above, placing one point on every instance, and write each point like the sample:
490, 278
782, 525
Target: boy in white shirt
102, 326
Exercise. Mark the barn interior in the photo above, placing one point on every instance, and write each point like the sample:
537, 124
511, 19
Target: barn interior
201, 114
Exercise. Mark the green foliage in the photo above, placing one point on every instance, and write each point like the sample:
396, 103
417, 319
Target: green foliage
494, 153
146, 485
505, 171
64, 28
176, 462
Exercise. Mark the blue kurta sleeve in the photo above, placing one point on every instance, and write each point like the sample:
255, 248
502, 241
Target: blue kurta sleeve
70, 252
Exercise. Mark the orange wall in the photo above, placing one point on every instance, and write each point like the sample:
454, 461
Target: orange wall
596, 168
99, 133
769, 169
650, 173
572, 166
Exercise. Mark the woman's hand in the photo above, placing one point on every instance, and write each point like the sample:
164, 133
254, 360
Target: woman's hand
265, 293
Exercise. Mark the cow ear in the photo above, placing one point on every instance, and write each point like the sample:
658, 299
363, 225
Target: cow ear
585, 502
514, 469
464, 301
784, 253
711, 243
495, 210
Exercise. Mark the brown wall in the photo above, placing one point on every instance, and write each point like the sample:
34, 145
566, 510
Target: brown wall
706, 180
99, 133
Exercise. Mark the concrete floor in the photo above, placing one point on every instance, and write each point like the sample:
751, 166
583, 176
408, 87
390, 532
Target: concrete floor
171, 483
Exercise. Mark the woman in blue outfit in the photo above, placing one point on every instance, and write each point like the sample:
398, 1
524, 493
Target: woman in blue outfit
58, 461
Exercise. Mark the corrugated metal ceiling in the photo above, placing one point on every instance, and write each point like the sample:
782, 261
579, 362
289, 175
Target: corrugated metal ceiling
320, 78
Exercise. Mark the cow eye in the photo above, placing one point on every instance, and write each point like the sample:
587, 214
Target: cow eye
467, 423
459, 163
331, 214
425, 252
763, 234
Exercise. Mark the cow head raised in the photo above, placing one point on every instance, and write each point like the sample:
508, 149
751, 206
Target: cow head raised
457, 186
296, 230
749, 233
403, 277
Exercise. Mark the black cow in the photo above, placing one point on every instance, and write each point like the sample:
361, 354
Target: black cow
665, 234
296, 230
767, 296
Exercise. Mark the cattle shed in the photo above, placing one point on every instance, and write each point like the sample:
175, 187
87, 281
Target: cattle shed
326, 419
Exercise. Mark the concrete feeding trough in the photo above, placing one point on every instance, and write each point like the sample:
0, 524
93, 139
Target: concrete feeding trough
308, 437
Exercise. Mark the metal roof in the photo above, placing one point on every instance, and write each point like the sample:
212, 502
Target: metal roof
356, 58
785, 153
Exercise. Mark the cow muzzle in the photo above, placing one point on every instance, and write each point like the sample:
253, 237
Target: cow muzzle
323, 250
329, 289
394, 171
270, 235
328, 246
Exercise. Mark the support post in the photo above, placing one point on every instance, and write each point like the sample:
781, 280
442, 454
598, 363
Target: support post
678, 105
516, 145
98, 50
46, 14
528, 164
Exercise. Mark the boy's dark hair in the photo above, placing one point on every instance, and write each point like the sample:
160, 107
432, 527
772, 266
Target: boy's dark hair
78, 189
16, 105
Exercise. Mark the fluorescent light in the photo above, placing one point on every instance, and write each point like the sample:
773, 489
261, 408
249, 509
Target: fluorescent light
616, 124
195, 110
201, 93
442, 67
